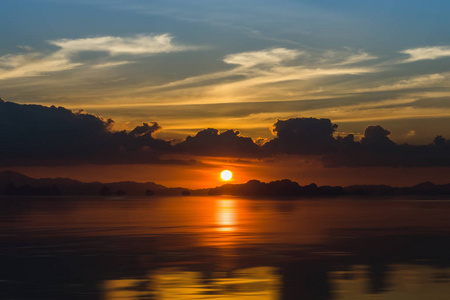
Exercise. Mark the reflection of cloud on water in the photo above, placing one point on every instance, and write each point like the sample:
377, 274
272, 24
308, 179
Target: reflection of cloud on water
124, 289
403, 282
172, 283
251, 283
258, 283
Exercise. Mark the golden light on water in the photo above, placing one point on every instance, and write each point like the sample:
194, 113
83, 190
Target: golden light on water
226, 215
226, 175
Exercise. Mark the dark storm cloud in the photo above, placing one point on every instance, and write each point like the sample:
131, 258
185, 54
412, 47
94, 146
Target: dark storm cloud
211, 142
39, 135
302, 136
376, 149
314, 137
34, 134
377, 137
146, 129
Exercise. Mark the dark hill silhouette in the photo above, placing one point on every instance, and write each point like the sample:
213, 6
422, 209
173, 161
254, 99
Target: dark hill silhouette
427, 188
283, 187
16, 184
371, 190
289, 188
68, 186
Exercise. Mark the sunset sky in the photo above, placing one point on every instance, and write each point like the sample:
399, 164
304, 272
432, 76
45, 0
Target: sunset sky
182, 66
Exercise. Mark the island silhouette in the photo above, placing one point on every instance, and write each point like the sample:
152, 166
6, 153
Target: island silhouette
16, 184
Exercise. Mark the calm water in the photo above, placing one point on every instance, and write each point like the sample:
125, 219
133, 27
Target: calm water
224, 248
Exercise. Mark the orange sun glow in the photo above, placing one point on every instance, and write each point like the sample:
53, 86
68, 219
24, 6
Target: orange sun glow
226, 175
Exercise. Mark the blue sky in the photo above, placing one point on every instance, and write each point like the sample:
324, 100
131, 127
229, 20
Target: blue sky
233, 64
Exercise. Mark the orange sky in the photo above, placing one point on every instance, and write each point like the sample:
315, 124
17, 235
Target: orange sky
208, 174
191, 65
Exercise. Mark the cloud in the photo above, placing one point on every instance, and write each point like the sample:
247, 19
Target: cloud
376, 149
426, 53
211, 142
249, 64
311, 137
40, 135
146, 129
249, 87
33, 64
411, 83
410, 134
357, 58
111, 64
263, 57
376, 136
37, 64
264, 67
113, 45
302, 136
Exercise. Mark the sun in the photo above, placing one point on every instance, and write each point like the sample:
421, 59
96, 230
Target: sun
226, 175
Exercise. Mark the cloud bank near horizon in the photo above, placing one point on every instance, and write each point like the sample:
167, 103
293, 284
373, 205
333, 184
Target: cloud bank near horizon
40, 135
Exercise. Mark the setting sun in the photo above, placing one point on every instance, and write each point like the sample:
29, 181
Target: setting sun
226, 175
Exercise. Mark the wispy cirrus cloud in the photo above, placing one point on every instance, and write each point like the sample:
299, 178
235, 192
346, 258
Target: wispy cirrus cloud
281, 66
33, 64
137, 45
422, 81
263, 57
37, 63
111, 64
357, 58
426, 53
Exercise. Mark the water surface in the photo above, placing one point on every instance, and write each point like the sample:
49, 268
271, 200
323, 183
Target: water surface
223, 248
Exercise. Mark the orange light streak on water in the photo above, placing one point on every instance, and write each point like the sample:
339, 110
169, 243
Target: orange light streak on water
226, 215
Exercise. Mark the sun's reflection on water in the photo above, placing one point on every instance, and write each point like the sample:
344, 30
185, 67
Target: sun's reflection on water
226, 215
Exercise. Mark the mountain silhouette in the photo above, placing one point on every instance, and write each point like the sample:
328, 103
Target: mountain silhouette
68, 186
16, 184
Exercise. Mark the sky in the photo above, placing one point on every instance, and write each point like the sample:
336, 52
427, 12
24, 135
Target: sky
189, 65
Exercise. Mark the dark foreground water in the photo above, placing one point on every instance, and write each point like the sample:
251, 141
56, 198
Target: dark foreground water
224, 248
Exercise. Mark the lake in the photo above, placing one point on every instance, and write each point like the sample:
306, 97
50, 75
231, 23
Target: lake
224, 248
